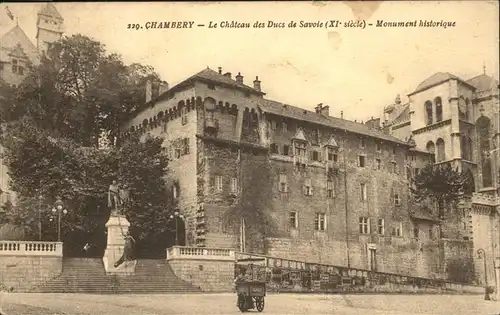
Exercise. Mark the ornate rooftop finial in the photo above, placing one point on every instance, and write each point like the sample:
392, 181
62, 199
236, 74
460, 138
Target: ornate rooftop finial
398, 99
484, 67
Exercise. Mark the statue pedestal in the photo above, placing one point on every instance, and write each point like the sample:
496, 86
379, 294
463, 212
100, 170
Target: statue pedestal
117, 226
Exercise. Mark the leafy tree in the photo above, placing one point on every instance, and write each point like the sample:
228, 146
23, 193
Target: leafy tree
440, 185
40, 164
78, 90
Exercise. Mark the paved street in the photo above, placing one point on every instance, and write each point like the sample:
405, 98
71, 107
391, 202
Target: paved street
45, 304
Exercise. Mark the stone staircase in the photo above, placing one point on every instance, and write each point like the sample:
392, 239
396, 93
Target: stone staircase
87, 275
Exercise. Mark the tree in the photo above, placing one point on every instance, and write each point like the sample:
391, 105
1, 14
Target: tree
39, 164
78, 90
441, 185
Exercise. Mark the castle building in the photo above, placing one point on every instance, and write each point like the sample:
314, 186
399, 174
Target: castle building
17, 52
459, 121
266, 177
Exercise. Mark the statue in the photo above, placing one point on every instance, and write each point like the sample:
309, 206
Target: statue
113, 197
128, 250
123, 196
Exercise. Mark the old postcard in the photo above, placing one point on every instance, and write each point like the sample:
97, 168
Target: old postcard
275, 157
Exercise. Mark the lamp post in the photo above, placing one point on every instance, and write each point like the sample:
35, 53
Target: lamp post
59, 210
176, 217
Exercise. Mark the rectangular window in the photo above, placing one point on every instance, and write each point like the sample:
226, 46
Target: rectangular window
315, 155
300, 149
416, 231
379, 147
394, 167
274, 148
330, 188
186, 146
20, 70
184, 115
361, 161
14, 66
283, 183
394, 150
431, 234
332, 156
397, 200
286, 150
178, 153
417, 170
293, 220
234, 185
273, 125
397, 230
308, 187
362, 143
218, 182
381, 227
285, 127
363, 192
378, 164
320, 222
315, 139
364, 225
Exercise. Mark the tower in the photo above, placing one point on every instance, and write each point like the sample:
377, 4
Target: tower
50, 26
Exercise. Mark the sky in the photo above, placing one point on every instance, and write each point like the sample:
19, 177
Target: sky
354, 70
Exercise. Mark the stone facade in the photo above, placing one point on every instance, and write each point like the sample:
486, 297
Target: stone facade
459, 121
303, 184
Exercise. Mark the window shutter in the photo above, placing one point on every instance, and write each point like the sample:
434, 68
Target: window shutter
369, 222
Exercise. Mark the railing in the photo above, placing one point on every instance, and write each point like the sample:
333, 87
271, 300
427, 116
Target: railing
24, 248
485, 199
185, 252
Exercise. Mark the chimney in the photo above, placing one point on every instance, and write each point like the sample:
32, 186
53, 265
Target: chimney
256, 84
163, 87
239, 78
341, 114
220, 70
318, 108
149, 91
325, 111
228, 74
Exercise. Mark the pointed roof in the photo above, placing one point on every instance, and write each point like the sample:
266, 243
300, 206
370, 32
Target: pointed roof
436, 79
332, 142
299, 135
483, 82
50, 9
16, 36
215, 77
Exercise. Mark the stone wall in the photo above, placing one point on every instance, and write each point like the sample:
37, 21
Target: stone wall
24, 265
211, 269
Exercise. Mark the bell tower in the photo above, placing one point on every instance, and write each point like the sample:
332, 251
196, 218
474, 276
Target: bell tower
50, 27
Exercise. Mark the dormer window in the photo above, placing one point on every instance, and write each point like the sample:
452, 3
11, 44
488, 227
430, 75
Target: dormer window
300, 149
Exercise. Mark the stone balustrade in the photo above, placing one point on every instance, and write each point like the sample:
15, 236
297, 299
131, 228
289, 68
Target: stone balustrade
186, 252
484, 199
25, 248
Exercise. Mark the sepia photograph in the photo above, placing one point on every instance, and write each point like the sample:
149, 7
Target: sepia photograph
265, 157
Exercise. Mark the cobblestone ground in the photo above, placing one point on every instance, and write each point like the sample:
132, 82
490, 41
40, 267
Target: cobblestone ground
190, 304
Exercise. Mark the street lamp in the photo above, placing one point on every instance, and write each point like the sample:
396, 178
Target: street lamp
59, 210
481, 253
176, 216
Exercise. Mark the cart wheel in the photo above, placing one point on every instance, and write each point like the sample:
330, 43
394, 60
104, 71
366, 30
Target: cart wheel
259, 303
241, 303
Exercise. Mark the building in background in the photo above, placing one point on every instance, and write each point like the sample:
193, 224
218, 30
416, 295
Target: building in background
458, 120
329, 190
17, 52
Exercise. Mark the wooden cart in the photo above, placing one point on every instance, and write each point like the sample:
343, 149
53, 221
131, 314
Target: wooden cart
250, 290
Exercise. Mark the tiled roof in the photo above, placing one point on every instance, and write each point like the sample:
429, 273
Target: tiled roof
436, 79
297, 113
403, 116
214, 76
50, 10
14, 37
483, 82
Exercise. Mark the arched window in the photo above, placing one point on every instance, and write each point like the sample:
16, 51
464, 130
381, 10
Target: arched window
440, 156
467, 113
431, 148
428, 112
483, 133
439, 109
